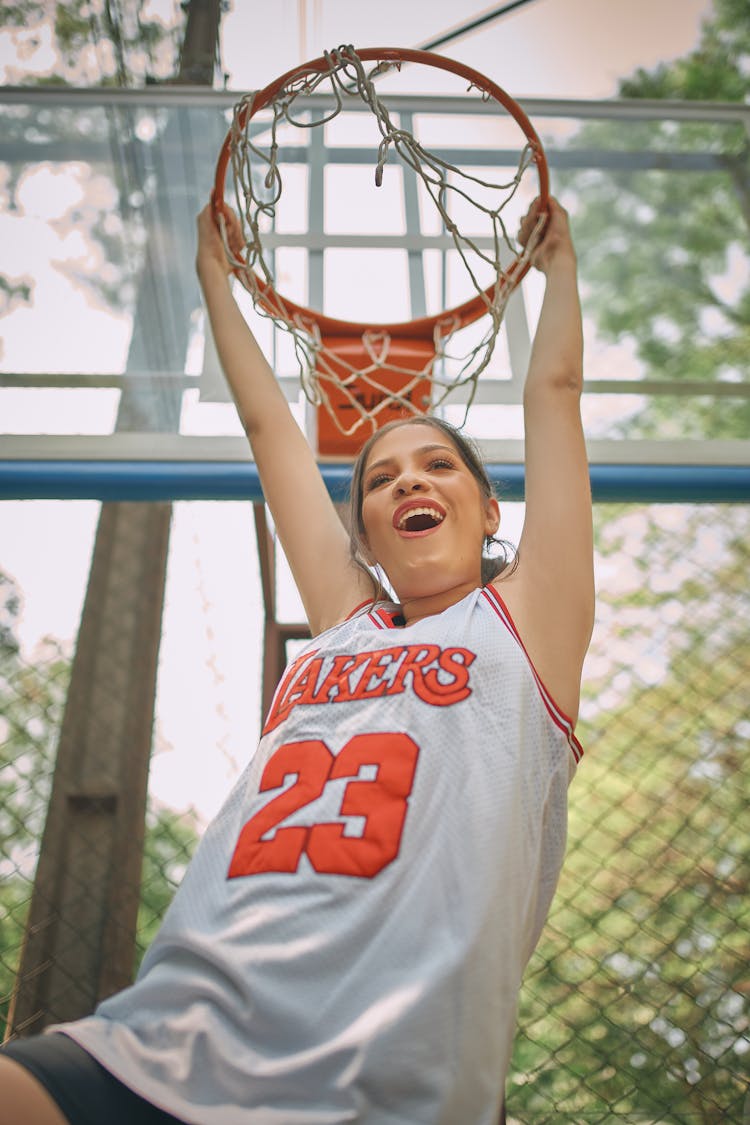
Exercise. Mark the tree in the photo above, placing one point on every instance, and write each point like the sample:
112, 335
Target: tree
636, 1000
122, 44
125, 590
119, 44
663, 254
32, 698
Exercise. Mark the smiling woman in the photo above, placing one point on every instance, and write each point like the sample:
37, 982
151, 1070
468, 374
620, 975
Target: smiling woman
349, 939
452, 450
420, 491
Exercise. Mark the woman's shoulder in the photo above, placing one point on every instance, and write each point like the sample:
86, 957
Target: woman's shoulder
554, 642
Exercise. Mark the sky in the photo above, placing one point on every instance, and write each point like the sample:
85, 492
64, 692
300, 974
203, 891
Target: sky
548, 48
210, 661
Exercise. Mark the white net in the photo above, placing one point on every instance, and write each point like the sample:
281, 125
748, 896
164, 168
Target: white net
378, 366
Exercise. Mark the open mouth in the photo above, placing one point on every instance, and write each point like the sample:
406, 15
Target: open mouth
420, 519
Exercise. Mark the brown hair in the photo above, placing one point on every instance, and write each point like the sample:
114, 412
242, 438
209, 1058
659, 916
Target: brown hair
472, 459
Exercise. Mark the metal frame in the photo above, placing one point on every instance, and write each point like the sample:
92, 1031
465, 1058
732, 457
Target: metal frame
25, 459
646, 481
629, 109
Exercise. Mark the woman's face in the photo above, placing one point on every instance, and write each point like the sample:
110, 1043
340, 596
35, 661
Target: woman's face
424, 514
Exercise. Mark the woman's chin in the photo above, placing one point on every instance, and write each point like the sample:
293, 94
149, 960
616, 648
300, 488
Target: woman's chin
424, 586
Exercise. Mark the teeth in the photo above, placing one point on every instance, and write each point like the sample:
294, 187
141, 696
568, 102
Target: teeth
438, 517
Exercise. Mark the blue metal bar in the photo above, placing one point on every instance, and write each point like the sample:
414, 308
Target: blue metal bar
238, 480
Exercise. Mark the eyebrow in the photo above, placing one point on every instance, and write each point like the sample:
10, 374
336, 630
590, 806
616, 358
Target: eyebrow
418, 452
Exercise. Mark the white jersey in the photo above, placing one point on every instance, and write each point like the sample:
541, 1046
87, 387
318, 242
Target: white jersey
349, 939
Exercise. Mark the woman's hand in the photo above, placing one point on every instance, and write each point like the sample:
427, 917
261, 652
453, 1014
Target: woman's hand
556, 242
211, 252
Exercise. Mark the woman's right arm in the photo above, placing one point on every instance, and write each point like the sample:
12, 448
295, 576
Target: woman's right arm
311, 533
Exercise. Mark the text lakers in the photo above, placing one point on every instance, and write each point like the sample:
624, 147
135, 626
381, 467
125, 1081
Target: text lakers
439, 676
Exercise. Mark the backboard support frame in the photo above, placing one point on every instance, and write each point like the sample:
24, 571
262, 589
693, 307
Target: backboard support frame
32, 457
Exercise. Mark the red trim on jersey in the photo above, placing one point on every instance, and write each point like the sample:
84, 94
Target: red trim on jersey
358, 608
558, 716
383, 618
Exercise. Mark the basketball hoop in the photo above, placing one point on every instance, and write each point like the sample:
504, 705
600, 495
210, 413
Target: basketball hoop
361, 375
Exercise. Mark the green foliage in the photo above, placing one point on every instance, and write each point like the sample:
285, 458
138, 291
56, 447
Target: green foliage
170, 841
716, 71
73, 25
128, 50
22, 13
635, 1005
12, 293
113, 241
130, 47
32, 701
664, 251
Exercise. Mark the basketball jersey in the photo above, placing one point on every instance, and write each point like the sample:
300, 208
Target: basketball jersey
348, 941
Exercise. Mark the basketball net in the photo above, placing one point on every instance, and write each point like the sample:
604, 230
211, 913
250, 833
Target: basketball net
362, 375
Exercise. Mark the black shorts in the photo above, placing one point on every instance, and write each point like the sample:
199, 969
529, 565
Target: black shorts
85, 1092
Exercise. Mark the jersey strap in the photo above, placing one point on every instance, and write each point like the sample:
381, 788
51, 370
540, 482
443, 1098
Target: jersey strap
559, 718
359, 608
384, 618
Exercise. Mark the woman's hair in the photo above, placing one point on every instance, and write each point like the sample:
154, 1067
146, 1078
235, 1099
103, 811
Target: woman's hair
467, 450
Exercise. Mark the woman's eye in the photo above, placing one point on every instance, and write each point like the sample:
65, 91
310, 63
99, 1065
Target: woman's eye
375, 482
441, 463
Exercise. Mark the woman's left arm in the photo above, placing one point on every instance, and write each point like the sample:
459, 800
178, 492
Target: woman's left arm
553, 588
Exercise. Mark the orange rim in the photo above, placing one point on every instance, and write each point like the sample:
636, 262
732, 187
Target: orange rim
424, 327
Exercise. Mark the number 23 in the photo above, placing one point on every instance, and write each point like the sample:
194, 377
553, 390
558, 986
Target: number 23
382, 800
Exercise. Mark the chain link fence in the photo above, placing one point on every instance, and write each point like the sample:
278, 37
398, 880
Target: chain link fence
635, 1005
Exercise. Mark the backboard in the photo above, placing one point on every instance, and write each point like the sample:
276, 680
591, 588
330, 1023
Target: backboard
104, 359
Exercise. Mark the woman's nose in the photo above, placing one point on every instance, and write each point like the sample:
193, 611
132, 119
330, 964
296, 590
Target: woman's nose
408, 482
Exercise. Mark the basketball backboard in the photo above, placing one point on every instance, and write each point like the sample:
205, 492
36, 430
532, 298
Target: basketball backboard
106, 185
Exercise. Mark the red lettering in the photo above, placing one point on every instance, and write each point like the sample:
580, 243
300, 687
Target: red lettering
265, 846
338, 679
303, 688
437, 676
456, 661
415, 658
309, 763
383, 802
281, 706
372, 682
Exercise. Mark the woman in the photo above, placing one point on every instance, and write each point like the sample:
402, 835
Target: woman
349, 940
